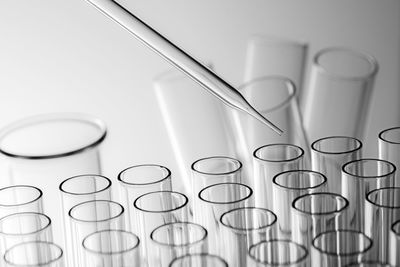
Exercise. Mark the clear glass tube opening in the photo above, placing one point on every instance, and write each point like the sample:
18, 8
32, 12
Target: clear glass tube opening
389, 148
20, 198
199, 260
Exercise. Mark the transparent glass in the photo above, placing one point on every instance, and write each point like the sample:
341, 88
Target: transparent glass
199, 260
173, 240
111, 248
360, 177
75, 190
44, 150
34, 253
316, 213
336, 101
20, 198
382, 209
339, 247
138, 180
243, 227
286, 187
277, 252
89, 217
268, 161
215, 200
389, 148
329, 154
274, 97
394, 239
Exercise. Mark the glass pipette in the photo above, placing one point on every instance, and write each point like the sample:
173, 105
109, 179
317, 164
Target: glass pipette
179, 58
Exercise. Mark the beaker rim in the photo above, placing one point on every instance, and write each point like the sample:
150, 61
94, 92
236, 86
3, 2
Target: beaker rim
391, 172
235, 170
107, 186
380, 136
358, 146
300, 154
39, 191
46, 225
165, 177
51, 117
336, 211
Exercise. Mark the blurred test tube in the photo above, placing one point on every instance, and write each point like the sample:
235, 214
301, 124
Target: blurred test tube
199, 260
394, 239
389, 148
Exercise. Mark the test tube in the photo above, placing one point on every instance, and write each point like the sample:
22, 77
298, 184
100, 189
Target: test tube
316, 213
214, 200
382, 209
268, 161
243, 227
360, 177
278, 252
389, 148
199, 260
394, 247
340, 247
329, 154
173, 240
20, 198
286, 187
111, 248
138, 180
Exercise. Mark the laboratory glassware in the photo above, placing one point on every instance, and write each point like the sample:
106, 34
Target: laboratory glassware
199, 260
336, 101
286, 187
358, 178
394, 239
278, 252
268, 161
389, 148
339, 247
329, 154
111, 248
20, 198
173, 240
243, 227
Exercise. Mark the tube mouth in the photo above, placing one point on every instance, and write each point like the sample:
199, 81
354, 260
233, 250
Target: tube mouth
306, 179
391, 135
385, 197
236, 192
280, 245
79, 212
330, 145
337, 205
80, 182
216, 166
188, 259
364, 243
378, 167
18, 219
277, 153
160, 195
195, 234
345, 64
38, 194
139, 175
130, 241
72, 133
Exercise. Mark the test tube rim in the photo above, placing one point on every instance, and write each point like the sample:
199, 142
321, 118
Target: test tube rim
109, 183
369, 176
25, 203
47, 218
240, 165
230, 202
120, 179
324, 180
273, 39
198, 254
359, 147
97, 221
379, 205
337, 211
185, 202
380, 136
301, 154
204, 236
396, 233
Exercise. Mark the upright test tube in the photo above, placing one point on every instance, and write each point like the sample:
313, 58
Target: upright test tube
20, 198
199, 260
389, 148
394, 239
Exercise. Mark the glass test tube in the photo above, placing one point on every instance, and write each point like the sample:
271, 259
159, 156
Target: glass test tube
138, 180
389, 148
394, 239
199, 260
329, 154
360, 177
214, 200
173, 240
89, 217
75, 190
268, 161
243, 227
111, 248
20, 198
34, 253
316, 213
277, 252
382, 209
286, 187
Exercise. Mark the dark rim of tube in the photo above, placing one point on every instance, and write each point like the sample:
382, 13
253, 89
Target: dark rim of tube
358, 147
324, 179
165, 177
343, 254
371, 60
303, 248
244, 230
45, 117
195, 242
369, 159
240, 165
300, 154
44, 216
135, 237
183, 204
372, 263
218, 258
108, 185
249, 190
381, 134
392, 228
117, 215
379, 205
337, 211
40, 193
